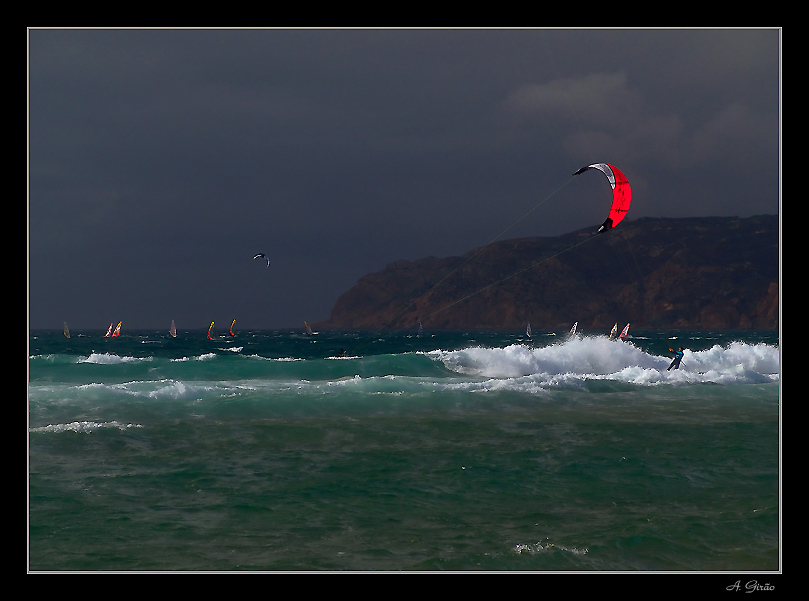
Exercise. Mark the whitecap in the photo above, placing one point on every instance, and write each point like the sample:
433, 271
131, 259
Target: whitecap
111, 359
83, 427
578, 360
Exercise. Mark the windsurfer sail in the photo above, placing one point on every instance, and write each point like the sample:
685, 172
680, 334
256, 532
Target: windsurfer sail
621, 193
173, 330
307, 328
614, 331
528, 330
231, 328
624, 332
109, 332
117, 331
66, 330
262, 256
573, 329
210, 327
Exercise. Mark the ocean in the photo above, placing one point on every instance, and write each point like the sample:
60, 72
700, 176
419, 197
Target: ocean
273, 451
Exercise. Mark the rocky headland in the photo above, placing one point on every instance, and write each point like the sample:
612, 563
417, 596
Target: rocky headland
690, 273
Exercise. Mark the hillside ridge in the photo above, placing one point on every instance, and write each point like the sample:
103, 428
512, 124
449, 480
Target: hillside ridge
697, 272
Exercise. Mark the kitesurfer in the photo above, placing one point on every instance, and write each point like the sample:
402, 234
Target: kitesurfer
678, 356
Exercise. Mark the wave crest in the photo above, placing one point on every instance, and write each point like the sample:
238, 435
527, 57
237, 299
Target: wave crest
83, 427
602, 358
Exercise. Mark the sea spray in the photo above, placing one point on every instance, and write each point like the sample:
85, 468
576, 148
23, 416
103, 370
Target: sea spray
600, 357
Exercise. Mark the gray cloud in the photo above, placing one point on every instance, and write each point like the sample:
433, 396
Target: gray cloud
160, 161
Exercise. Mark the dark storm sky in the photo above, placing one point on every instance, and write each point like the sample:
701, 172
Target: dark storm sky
161, 161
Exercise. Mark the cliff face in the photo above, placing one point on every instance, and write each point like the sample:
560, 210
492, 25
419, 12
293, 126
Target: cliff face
700, 273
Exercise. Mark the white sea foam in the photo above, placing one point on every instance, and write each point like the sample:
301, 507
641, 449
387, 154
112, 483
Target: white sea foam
111, 359
83, 427
593, 358
203, 357
547, 546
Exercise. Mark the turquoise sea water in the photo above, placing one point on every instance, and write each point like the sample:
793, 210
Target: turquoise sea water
456, 451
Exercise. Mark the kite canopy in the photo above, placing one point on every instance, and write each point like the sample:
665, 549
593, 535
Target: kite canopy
262, 256
621, 193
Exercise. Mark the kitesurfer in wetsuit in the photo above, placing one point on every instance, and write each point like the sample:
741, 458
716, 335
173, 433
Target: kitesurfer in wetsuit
678, 356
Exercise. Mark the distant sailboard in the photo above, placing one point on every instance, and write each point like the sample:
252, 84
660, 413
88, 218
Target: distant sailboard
614, 330
173, 330
621, 193
573, 329
109, 332
231, 327
624, 332
66, 330
262, 256
117, 331
210, 327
